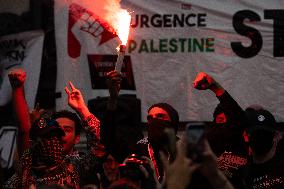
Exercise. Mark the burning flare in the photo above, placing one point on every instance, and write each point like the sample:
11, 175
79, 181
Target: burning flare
118, 20
122, 30
123, 25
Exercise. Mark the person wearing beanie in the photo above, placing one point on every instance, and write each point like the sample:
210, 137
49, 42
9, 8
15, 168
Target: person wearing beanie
167, 110
161, 116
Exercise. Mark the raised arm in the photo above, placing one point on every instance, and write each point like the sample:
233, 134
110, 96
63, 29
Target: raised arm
77, 103
231, 108
95, 149
17, 79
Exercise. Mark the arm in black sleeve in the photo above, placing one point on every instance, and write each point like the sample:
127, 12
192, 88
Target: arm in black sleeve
232, 110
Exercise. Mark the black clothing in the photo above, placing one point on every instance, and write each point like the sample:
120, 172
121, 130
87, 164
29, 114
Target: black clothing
226, 140
268, 175
144, 148
120, 128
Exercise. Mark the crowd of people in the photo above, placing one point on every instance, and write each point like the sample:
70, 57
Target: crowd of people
239, 149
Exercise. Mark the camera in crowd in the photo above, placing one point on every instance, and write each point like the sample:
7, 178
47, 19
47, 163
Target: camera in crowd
133, 166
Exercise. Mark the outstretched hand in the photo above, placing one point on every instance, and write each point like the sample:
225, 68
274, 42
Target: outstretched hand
209, 161
179, 172
17, 78
75, 98
148, 171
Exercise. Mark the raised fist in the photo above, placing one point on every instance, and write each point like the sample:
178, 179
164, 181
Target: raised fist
17, 78
203, 81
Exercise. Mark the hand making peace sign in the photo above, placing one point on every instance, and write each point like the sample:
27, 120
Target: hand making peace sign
75, 98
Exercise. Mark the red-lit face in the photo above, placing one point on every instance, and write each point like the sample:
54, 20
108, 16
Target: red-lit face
221, 118
158, 113
70, 138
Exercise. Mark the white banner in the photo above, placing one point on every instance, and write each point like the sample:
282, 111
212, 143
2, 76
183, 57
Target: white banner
7, 145
22, 50
239, 43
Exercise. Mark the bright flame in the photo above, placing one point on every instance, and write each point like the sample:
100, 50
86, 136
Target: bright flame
123, 25
111, 14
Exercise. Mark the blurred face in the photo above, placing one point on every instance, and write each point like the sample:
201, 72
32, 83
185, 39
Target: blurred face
70, 138
158, 113
221, 118
261, 141
158, 119
111, 168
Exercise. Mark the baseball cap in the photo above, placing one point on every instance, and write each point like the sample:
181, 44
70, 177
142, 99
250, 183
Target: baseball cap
45, 126
260, 119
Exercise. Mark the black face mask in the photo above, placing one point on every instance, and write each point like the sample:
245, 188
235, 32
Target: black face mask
261, 141
156, 132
